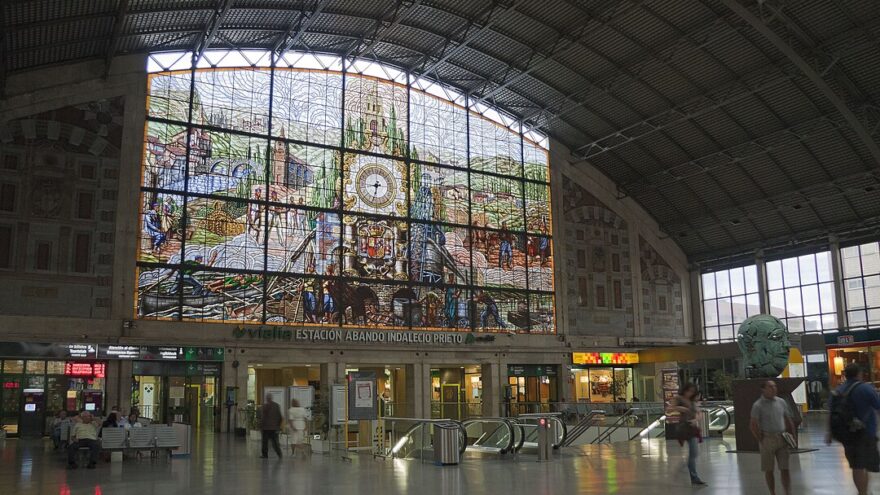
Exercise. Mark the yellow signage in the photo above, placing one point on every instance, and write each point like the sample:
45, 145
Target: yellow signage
604, 358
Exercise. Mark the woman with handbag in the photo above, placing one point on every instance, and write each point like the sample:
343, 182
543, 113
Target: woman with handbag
687, 430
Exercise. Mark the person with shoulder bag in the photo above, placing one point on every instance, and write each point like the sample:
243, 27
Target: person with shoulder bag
687, 430
853, 422
773, 426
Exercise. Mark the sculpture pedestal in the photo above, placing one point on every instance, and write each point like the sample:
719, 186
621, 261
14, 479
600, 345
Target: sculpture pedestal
745, 393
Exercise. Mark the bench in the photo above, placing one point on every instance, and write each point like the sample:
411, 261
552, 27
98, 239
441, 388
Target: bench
140, 439
165, 439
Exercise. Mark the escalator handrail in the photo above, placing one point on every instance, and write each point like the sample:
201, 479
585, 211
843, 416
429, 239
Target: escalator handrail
462, 433
583, 426
616, 425
557, 442
560, 441
505, 421
726, 409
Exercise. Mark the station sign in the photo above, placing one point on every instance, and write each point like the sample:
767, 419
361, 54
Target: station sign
160, 353
39, 350
604, 358
532, 370
337, 335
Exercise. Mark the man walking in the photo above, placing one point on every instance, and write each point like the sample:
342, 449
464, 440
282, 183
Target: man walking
83, 434
271, 420
771, 417
855, 403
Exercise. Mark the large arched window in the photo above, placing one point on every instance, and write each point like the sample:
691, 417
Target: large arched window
306, 192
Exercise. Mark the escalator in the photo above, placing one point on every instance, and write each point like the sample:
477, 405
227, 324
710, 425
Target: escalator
720, 419
417, 442
529, 428
492, 435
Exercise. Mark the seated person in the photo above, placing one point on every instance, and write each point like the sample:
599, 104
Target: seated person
110, 422
131, 421
60, 419
83, 434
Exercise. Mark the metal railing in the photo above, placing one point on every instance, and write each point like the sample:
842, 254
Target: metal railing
634, 417
501, 437
410, 438
528, 423
593, 418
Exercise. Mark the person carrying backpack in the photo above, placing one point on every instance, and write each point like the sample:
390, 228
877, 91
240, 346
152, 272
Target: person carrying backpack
853, 422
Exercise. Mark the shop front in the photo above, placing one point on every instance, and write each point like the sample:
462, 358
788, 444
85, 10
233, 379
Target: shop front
182, 392
604, 377
456, 392
862, 348
35, 386
532, 388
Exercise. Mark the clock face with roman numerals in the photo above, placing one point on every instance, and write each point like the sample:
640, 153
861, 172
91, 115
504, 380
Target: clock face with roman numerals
376, 186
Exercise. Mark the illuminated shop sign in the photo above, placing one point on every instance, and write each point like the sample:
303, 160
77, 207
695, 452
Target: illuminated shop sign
604, 358
74, 368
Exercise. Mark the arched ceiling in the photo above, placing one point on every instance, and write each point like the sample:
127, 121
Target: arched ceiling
737, 124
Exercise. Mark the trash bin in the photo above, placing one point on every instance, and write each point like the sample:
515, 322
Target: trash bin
447, 444
704, 418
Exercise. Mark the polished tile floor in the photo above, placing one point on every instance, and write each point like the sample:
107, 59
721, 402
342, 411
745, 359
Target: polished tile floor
224, 465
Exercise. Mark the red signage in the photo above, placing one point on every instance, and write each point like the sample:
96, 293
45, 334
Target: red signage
11, 385
74, 368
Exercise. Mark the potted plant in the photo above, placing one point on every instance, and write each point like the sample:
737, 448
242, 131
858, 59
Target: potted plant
251, 415
724, 382
320, 425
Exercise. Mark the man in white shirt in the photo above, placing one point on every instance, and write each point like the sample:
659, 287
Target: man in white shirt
84, 434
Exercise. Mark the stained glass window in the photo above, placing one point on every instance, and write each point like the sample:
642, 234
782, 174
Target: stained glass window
300, 193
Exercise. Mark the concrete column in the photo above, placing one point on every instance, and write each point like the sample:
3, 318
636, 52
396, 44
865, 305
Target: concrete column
565, 390
237, 378
421, 397
412, 390
696, 299
111, 385
493, 393
764, 294
636, 278
837, 277
124, 385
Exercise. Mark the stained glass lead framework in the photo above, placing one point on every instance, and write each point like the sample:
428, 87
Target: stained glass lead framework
305, 192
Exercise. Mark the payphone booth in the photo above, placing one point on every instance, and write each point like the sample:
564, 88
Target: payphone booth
33, 407
93, 401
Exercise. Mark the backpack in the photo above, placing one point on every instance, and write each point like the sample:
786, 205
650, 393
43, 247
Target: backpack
845, 425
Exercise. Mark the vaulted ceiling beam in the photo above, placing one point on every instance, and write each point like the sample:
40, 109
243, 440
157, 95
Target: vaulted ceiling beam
298, 28
564, 42
852, 184
397, 11
737, 153
118, 26
697, 39
467, 34
211, 28
763, 27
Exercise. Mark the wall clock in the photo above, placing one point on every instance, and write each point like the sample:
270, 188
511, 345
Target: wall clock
375, 185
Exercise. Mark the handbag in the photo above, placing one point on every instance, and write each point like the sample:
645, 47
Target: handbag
789, 440
684, 431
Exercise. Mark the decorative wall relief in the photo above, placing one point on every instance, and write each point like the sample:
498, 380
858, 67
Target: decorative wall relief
58, 189
597, 266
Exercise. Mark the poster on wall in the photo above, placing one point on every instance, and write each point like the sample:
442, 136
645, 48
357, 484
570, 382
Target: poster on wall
362, 398
671, 383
